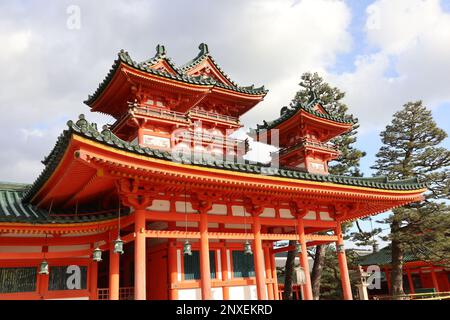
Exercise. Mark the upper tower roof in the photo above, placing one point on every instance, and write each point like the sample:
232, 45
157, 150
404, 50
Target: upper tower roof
200, 76
314, 107
205, 65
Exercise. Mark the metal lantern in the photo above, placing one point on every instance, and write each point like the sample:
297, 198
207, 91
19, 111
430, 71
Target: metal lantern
301, 276
97, 254
298, 247
187, 251
247, 248
118, 245
43, 269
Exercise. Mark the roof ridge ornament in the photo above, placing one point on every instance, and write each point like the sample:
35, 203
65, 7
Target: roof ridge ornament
160, 50
203, 49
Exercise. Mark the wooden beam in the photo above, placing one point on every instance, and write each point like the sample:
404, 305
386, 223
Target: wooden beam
59, 241
194, 217
179, 234
42, 255
65, 228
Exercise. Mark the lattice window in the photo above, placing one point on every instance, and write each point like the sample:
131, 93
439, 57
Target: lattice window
18, 280
243, 265
192, 265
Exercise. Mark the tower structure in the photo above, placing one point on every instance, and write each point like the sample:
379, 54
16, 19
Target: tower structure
303, 134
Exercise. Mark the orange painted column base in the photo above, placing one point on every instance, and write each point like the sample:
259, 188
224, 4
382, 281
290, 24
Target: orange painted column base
307, 289
259, 261
342, 259
410, 282
268, 273
205, 272
93, 280
173, 273
225, 270
274, 275
139, 256
114, 266
434, 278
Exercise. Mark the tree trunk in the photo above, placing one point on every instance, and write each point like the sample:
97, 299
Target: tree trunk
397, 263
289, 272
316, 274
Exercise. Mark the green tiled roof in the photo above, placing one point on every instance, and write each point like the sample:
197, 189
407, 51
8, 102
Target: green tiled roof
161, 55
13, 209
89, 130
383, 257
202, 56
288, 112
124, 57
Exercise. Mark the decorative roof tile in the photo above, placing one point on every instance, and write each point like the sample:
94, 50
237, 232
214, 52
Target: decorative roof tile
383, 257
288, 112
14, 210
124, 57
89, 130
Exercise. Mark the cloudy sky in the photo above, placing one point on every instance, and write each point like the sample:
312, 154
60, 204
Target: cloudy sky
383, 53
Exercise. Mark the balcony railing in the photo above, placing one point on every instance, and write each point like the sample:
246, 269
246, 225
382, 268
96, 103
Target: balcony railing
205, 138
125, 293
308, 143
213, 116
159, 112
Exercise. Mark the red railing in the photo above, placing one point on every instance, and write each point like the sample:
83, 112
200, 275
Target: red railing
157, 112
296, 291
160, 112
213, 115
125, 293
308, 143
201, 137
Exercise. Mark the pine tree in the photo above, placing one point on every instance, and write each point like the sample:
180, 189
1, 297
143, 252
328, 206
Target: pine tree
348, 162
411, 149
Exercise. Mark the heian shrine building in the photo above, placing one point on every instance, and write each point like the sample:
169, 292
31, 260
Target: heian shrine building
162, 205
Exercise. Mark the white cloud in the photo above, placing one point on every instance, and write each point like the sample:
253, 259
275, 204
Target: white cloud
14, 43
49, 69
410, 62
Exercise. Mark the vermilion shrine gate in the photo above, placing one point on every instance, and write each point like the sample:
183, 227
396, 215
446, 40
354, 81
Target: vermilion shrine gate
196, 220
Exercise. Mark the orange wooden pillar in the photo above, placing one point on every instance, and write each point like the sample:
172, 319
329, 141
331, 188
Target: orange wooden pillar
342, 259
434, 278
410, 282
42, 279
388, 279
173, 272
114, 266
139, 255
274, 274
205, 272
225, 270
93, 272
268, 273
304, 260
259, 260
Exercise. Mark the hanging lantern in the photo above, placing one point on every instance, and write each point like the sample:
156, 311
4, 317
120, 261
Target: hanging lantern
97, 254
118, 245
300, 276
43, 269
247, 248
298, 247
187, 251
